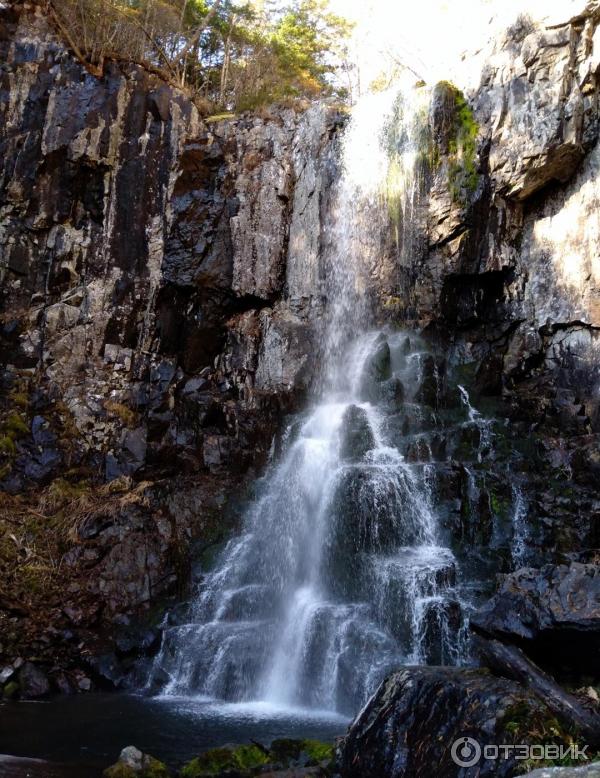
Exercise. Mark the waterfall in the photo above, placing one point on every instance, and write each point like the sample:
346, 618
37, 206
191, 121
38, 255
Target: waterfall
519, 523
339, 574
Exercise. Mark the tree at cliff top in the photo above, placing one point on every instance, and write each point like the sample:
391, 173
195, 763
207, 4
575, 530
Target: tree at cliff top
233, 55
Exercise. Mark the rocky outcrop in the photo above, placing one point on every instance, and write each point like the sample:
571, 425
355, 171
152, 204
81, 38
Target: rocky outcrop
419, 717
510, 267
422, 720
553, 613
152, 329
507, 281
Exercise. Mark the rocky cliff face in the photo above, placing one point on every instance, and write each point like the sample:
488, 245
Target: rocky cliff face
160, 300
508, 281
156, 303
508, 285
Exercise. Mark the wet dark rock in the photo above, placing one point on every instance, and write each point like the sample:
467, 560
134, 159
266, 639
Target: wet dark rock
33, 683
357, 436
409, 725
392, 392
377, 370
431, 390
108, 670
418, 450
442, 622
553, 613
137, 640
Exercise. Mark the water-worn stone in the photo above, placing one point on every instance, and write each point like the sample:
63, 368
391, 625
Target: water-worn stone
33, 683
133, 763
409, 726
357, 437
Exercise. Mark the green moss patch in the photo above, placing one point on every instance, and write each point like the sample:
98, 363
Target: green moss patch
152, 769
241, 760
249, 760
461, 151
311, 752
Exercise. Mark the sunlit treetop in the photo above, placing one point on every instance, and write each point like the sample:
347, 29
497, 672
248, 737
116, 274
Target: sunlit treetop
233, 55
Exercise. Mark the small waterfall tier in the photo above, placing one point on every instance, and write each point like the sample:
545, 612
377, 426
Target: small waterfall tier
339, 574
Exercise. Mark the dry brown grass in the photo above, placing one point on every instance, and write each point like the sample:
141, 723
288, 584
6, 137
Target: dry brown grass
37, 532
121, 411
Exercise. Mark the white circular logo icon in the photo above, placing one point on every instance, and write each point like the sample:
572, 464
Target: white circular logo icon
465, 752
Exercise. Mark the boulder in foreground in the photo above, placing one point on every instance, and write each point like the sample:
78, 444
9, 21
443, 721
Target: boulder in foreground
409, 726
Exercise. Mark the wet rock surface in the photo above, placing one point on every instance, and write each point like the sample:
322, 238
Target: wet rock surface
410, 724
553, 613
547, 616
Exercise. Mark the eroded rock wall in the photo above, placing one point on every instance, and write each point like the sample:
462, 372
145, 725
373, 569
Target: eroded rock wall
152, 327
508, 282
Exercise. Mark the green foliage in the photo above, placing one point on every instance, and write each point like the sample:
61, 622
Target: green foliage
13, 427
303, 40
286, 750
233, 55
7, 445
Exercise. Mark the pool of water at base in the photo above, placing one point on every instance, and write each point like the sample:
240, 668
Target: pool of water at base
79, 736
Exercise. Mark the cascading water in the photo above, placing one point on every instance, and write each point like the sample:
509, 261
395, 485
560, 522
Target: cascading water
339, 574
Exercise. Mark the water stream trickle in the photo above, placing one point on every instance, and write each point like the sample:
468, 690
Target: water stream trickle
339, 575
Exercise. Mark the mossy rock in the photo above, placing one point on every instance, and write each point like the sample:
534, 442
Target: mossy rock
11, 690
456, 140
153, 769
134, 764
304, 753
239, 761
16, 426
7, 445
248, 760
